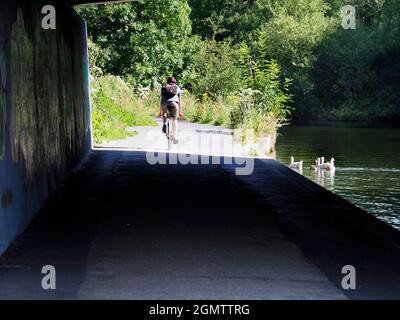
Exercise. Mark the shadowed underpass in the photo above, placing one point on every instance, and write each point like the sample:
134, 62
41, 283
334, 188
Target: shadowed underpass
121, 228
118, 227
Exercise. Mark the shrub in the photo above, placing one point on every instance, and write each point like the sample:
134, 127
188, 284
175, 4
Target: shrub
114, 108
190, 107
214, 70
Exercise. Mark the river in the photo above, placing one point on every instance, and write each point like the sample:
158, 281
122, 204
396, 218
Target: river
367, 162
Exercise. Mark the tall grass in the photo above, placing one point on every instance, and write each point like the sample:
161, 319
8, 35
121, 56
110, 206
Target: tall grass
206, 110
115, 107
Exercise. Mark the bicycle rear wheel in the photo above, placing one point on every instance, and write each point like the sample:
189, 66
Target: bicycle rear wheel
169, 140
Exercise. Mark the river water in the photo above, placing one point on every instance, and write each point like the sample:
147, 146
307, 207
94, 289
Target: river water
367, 163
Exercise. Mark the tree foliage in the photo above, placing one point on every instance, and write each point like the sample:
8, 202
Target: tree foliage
335, 73
214, 70
145, 41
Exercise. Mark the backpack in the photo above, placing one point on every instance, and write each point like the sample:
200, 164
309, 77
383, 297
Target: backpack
169, 90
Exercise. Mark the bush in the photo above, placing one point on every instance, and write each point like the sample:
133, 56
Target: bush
114, 108
206, 110
190, 107
214, 70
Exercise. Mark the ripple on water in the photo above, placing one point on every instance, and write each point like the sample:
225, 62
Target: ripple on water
370, 181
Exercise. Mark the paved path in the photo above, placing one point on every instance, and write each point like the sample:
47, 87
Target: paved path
194, 138
121, 228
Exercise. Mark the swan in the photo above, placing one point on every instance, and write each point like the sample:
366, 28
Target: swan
295, 165
328, 166
314, 166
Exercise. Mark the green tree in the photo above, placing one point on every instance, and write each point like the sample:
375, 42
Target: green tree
144, 41
214, 70
336, 73
264, 75
357, 72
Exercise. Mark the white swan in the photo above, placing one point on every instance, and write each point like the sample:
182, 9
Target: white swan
295, 165
328, 165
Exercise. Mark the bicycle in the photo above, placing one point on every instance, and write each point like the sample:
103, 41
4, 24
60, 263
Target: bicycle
169, 134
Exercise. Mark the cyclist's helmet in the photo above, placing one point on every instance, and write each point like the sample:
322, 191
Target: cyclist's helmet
171, 80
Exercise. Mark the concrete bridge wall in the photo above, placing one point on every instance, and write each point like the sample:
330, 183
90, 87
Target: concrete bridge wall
44, 107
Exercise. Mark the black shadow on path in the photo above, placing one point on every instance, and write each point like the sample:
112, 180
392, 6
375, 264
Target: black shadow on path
120, 228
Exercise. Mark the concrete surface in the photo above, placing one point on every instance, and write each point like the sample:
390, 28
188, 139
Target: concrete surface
194, 138
121, 228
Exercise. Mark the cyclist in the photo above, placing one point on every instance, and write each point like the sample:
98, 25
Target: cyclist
171, 99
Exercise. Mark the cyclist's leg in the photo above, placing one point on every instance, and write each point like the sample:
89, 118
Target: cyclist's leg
174, 129
174, 121
164, 117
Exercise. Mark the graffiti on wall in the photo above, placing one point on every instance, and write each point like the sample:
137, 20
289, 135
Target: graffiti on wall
24, 130
48, 102
2, 99
47, 129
